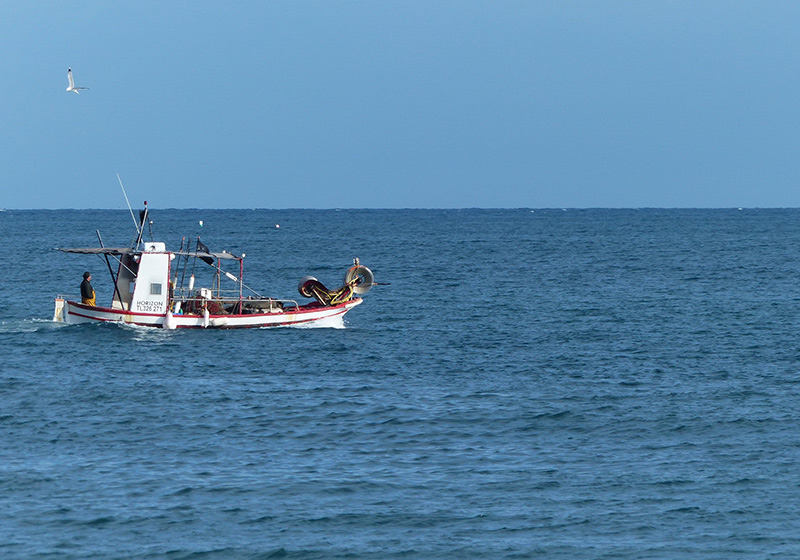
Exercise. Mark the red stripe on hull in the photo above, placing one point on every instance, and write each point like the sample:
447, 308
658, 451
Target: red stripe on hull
126, 315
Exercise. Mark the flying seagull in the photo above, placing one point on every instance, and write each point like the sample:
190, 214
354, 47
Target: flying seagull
71, 86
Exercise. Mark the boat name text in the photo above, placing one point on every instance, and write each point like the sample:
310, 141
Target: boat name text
146, 306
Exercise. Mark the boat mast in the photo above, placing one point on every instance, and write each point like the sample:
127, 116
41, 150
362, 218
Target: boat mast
142, 219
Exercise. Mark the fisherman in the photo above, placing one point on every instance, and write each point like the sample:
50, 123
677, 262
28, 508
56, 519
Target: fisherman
87, 292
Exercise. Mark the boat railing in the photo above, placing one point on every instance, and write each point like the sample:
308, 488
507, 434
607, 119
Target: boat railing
224, 302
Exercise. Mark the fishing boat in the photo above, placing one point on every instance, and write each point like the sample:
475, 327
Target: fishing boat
155, 287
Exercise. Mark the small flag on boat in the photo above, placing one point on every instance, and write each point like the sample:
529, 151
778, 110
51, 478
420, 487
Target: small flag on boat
201, 248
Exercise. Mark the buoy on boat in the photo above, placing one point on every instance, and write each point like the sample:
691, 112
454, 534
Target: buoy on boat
206, 318
169, 321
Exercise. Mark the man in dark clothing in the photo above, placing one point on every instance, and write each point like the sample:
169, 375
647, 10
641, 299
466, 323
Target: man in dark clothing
87, 292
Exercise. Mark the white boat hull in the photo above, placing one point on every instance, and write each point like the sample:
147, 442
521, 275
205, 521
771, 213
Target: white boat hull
75, 313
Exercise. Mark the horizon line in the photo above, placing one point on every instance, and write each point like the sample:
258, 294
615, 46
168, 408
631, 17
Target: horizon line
429, 208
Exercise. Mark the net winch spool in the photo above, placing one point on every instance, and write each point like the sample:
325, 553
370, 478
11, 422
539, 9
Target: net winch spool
364, 279
304, 287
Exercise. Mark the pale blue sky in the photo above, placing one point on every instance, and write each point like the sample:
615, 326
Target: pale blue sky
378, 104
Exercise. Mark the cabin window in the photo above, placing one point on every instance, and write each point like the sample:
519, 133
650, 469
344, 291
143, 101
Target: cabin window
155, 289
132, 287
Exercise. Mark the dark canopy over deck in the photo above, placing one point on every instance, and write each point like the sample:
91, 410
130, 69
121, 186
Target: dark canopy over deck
128, 251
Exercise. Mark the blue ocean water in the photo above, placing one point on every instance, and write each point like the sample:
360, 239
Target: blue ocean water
573, 384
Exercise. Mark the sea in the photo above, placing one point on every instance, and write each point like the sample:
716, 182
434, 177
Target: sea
524, 383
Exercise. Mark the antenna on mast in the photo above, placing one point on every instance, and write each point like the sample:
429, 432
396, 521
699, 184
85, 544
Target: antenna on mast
136, 225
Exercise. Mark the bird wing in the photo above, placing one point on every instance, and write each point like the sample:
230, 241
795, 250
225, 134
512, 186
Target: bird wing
69, 77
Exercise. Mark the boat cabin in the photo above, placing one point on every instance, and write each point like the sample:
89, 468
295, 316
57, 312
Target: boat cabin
143, 280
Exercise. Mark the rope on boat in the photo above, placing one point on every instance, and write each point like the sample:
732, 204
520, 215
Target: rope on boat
311, 287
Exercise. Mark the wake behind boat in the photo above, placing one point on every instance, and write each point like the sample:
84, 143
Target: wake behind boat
155, 287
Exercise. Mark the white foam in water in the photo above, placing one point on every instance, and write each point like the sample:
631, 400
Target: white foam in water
336, 322
28, 325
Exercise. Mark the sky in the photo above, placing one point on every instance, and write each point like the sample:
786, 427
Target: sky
400, 104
